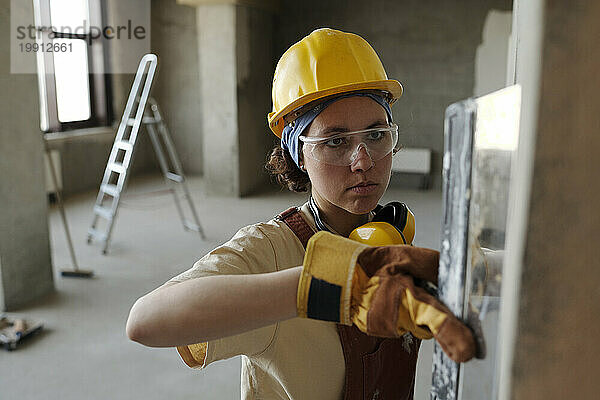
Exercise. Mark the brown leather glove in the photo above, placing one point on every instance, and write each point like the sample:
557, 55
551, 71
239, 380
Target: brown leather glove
373, 287
388, 303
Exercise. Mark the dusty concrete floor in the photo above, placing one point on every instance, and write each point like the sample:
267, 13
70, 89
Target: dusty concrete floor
83, 352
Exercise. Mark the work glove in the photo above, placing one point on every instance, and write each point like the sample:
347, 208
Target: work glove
374, 287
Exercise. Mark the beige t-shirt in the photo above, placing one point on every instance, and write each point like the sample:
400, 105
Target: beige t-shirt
294, 359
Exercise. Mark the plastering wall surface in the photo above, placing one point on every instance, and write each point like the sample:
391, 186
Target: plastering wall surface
26, 269
177, 84
429, 46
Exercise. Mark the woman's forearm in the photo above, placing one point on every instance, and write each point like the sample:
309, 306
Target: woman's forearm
212, 307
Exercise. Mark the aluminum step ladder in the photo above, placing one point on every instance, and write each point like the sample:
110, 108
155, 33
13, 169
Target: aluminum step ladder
115, 176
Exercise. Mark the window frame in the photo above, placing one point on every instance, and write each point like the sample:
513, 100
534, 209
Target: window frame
100, 91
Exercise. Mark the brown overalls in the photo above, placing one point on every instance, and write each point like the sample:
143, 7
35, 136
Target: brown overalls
376, 368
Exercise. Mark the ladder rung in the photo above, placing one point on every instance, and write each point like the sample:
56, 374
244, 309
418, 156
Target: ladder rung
117, 167
174, 177
103, 212
110, 189
124, 145
145, 120
149, 120
96, 234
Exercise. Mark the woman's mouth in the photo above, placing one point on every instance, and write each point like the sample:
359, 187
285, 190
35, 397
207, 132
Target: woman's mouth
363, 188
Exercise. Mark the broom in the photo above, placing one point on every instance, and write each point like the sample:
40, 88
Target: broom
75, 272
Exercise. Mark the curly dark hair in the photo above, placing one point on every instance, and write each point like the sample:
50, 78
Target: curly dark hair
281, 165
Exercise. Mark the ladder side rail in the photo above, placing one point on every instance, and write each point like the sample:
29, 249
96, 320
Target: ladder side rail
139, 113
150, 61
179, 170
95, 216
145, 92
162, 161
114, 204
164, 132
121, 185
174, 159
133, 94
109, 228
101, 195
164, 166
188, 196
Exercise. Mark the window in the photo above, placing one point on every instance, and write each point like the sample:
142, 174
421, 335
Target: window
74, 88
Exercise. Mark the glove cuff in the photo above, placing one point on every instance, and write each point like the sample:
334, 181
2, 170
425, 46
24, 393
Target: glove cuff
325, 286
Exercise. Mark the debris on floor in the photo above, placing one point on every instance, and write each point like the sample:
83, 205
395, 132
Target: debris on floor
13, 330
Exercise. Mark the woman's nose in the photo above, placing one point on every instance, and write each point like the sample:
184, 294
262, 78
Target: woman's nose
362, 160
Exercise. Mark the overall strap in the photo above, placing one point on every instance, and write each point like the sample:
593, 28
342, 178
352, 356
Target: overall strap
375, 368
292, 217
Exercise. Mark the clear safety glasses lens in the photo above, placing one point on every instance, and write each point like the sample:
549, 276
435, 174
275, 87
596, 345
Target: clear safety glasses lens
343, 149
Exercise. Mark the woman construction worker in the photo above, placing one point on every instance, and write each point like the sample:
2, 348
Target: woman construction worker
315, 314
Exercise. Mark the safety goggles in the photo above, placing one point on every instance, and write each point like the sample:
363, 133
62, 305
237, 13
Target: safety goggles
344, 148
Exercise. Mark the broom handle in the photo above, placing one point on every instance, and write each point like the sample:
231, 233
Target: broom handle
62, 210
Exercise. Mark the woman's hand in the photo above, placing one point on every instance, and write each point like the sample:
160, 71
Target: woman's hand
373, 287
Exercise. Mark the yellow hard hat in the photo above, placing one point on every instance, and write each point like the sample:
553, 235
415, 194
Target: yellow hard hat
327, 62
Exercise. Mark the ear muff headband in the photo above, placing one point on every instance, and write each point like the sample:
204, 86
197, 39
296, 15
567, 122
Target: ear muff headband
394, 213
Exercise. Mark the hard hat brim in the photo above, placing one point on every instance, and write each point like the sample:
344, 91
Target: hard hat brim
393, 87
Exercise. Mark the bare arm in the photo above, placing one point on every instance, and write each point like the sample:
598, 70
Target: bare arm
212, 307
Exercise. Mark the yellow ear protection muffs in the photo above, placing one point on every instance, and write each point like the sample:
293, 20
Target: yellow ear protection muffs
393, 223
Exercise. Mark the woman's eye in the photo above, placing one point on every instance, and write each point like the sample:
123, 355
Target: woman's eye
336, 142
377, 135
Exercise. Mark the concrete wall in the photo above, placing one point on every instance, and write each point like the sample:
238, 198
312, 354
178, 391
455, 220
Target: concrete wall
555, 271
236, 68
254, 48
218, 90
429, 46
177, 85
25, 266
